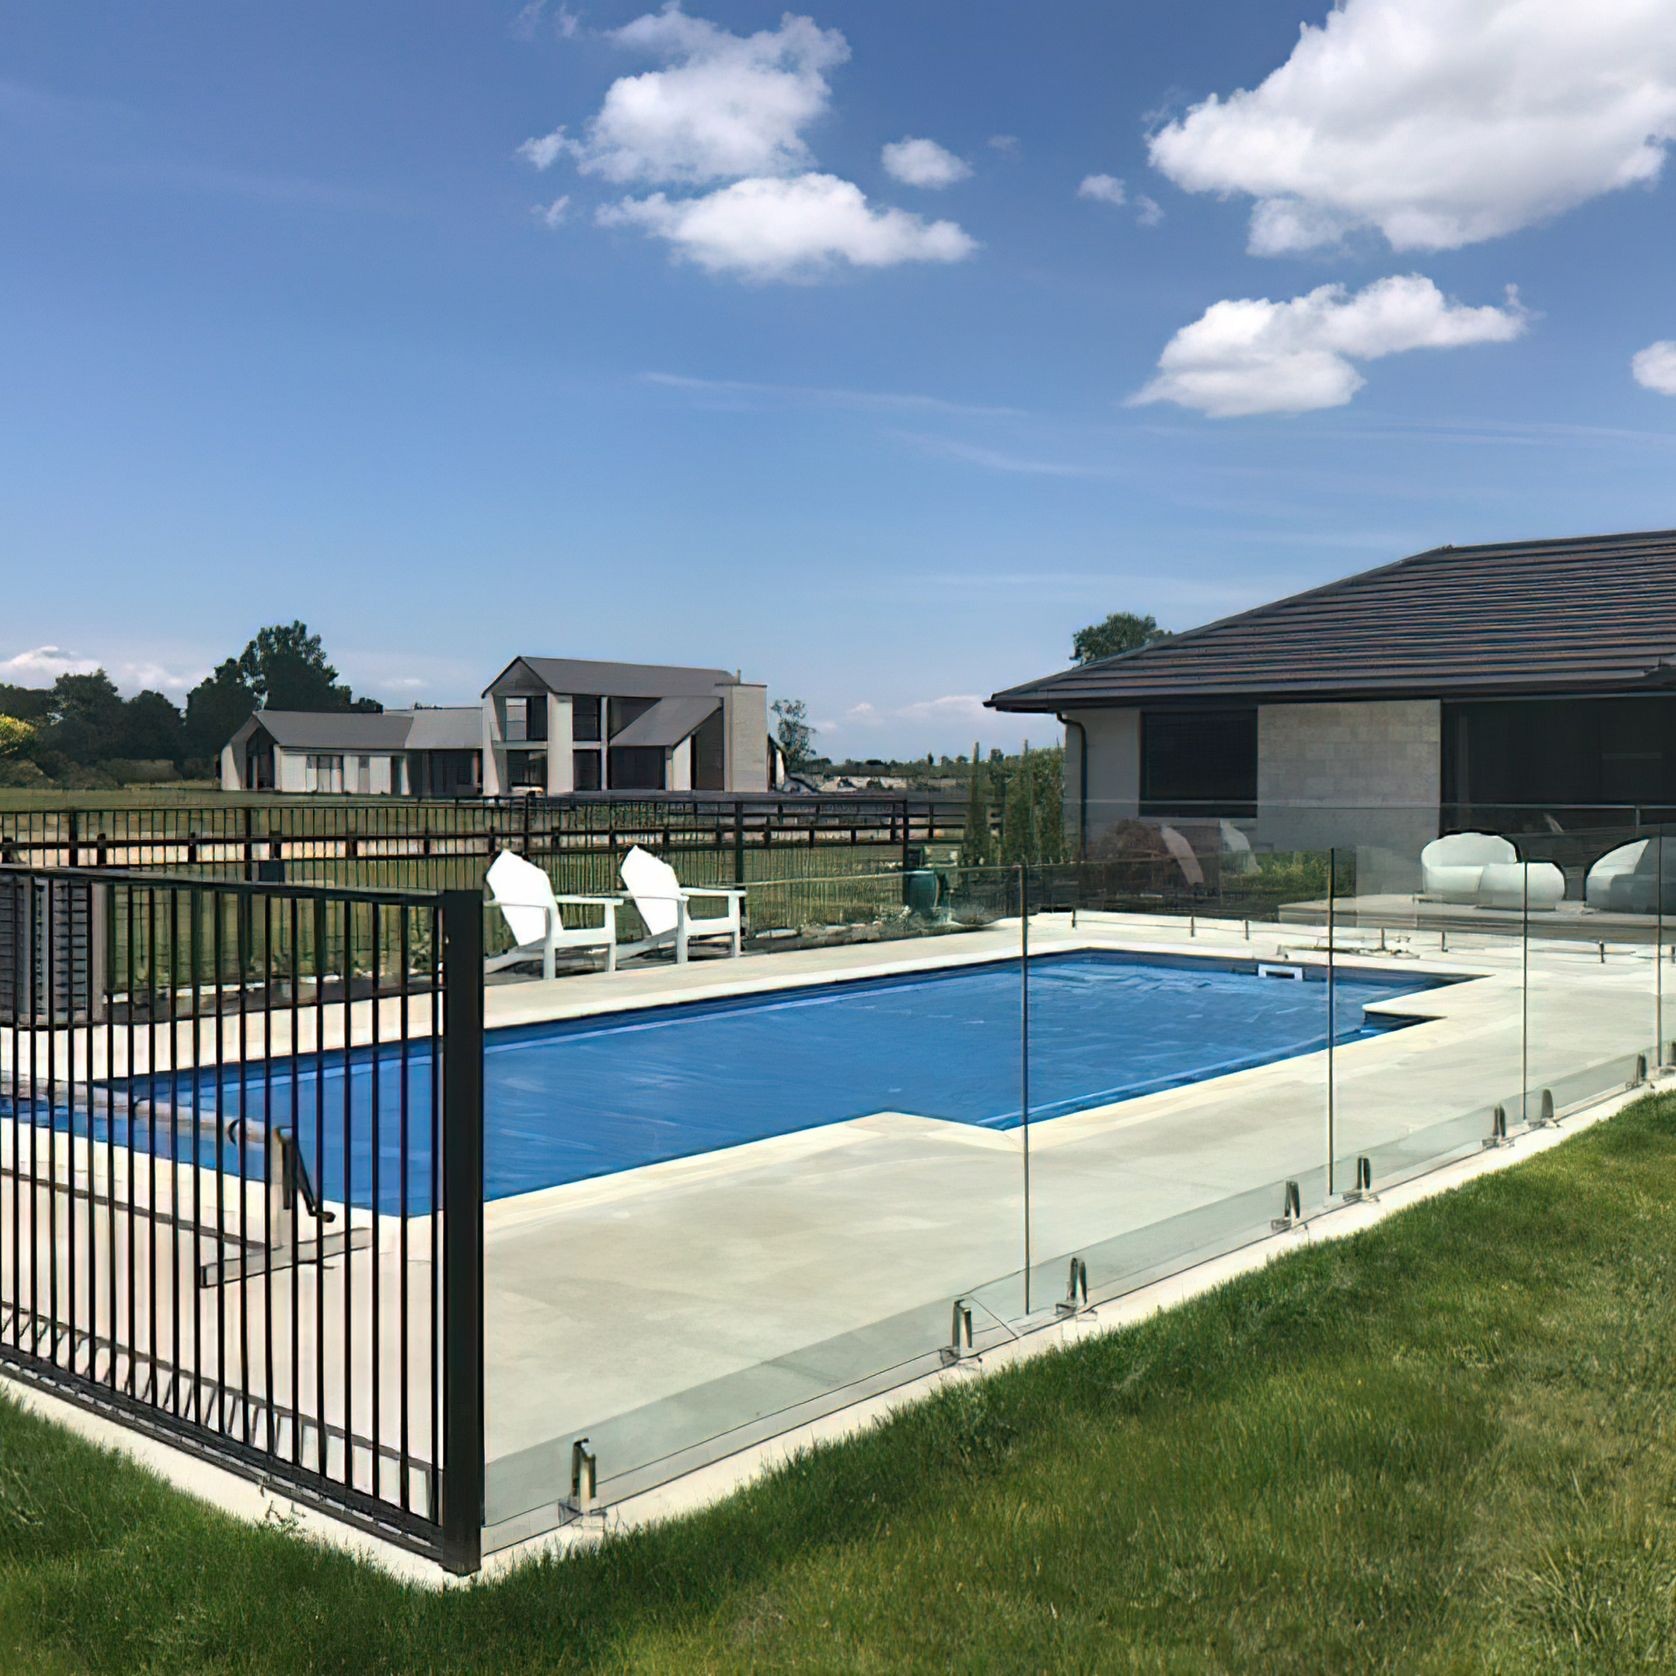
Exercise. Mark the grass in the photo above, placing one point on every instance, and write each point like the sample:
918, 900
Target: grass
1443, 1445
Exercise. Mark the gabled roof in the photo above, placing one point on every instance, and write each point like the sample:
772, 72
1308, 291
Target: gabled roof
1591, 613
446, 727
668, 722
619, 680
335, 730
450, 728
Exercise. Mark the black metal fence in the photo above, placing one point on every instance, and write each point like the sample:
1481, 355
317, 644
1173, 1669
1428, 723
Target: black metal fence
405, 843
241, 1190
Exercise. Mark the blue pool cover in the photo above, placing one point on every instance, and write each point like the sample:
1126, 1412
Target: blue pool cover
591, 1096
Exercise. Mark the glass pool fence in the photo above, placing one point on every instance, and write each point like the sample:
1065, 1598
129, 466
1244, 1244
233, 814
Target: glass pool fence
338, 1186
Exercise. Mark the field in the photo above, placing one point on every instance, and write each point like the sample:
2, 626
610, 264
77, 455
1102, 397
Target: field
1446, 1444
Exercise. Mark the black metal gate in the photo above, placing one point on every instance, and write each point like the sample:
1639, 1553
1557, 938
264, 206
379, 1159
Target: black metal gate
241, 1185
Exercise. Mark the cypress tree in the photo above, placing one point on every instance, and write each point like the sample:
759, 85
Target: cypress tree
1050, 805
975, 847
1018, 818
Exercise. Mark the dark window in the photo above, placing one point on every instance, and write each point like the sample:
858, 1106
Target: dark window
1199, 761
584, 718
636, 768
526, 719
584, 770
625, 710
710, 755
1555, 754
526, 770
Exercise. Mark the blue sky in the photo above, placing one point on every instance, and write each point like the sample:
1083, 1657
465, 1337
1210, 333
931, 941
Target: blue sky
288, 332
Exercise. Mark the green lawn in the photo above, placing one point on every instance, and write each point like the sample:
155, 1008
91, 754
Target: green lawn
1444, 1445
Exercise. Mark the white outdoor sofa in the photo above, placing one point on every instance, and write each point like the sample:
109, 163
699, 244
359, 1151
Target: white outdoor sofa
1536, 887
1620, 863
1639, 887
524, 895
1451, 868
1483, 870
665, 907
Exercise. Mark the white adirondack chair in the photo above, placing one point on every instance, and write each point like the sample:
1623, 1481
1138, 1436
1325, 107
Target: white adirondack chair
664, 905
524, 895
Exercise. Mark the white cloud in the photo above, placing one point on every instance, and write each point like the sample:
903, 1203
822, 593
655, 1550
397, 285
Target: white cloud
526, 24
824, 395
723, 106
1108, 189
1655, 367
546, 149
40, 666
1256, 356
1004, 143
1438, 122
789, 229
552, 215
923, 163
1103, 189
949, 707
947, 722
1001, 459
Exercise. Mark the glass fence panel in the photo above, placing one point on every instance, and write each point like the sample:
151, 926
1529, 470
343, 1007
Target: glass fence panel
1597, 895
881, 1119
728, 1195
1429, 933
1178, 1025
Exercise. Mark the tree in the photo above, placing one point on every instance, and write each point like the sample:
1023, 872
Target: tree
150, 729
216, 709
976, 850
27, 704
84, 717
1049, 770
285, 666
16, 736
1122, 631
793, 733
1018, 817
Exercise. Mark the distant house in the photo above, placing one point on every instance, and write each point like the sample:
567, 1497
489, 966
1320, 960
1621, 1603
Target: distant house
397, 753
551, 725
1505, 685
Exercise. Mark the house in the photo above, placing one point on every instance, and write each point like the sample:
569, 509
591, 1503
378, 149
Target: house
1509, 686
394, 753
553, 725
571, 724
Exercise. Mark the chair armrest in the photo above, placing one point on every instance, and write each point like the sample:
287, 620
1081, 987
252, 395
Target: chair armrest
690, 891
590, 901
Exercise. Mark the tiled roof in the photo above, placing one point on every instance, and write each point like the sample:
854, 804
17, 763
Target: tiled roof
1592, 613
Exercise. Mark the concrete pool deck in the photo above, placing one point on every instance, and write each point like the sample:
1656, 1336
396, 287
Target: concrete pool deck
740, 1289
675, 1314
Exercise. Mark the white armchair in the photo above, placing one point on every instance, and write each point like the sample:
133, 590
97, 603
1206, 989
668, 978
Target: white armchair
1536, 887
524, 895
1451, 867
665, 906
1615, 864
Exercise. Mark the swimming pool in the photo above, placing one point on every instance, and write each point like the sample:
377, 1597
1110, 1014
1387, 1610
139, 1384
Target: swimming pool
591, 1096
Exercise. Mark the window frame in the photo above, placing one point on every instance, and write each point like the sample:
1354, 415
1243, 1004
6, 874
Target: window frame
1232, 799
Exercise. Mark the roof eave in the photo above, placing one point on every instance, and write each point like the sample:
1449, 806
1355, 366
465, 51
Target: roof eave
1037, 702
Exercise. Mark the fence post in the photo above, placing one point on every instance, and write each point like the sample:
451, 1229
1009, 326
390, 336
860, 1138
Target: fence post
738, 840
462, 1230
75, 836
